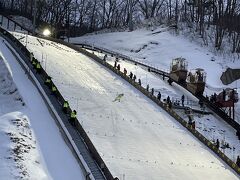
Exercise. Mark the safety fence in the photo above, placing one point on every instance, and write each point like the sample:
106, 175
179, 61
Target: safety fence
78, 140
149, 67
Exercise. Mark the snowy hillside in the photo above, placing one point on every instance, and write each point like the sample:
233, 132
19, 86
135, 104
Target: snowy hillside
159, 47
19, 150
136, 138
31, 144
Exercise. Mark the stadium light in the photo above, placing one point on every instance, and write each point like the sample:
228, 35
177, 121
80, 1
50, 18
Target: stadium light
46, 32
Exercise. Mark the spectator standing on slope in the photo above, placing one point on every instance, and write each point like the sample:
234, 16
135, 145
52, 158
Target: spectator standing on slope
183, 99
217, 143
238, 161
159, 96
73, 117
65, 107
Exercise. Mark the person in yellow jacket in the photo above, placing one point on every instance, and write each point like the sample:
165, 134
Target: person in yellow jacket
38, 67
54, 90
65, 107
73, 117
34, 62
48, 81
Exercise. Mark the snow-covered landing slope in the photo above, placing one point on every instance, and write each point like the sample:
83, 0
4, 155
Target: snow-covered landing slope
211, 126
136, 138
31, 145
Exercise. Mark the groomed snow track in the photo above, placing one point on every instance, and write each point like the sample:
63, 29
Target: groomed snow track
77, 139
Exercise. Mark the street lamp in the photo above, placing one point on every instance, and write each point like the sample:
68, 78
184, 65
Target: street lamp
46, 32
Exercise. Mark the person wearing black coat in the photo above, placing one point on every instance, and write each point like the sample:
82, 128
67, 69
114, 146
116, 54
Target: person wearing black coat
238, 161
217, 143
159, 96
131, 75
183, 98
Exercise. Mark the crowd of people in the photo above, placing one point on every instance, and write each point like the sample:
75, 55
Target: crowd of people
72, 115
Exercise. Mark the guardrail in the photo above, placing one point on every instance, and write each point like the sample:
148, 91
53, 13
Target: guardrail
81, 144
124, 57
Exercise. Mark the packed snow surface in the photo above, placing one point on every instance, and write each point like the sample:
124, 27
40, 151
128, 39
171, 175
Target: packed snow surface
136, 138
31, 145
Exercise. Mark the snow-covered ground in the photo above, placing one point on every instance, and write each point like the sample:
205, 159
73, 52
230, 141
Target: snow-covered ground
31, 145
136, 138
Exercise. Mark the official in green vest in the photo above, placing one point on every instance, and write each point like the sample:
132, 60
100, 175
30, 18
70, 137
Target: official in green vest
38, 67
48, 81
34, 62
65, 107
73, 117
54, 90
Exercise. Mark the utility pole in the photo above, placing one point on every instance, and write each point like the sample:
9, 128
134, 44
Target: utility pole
130, 4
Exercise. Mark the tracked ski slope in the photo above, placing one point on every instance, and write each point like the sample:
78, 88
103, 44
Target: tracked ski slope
137, 139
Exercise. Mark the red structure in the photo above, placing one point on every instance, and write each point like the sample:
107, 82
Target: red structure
226, 100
